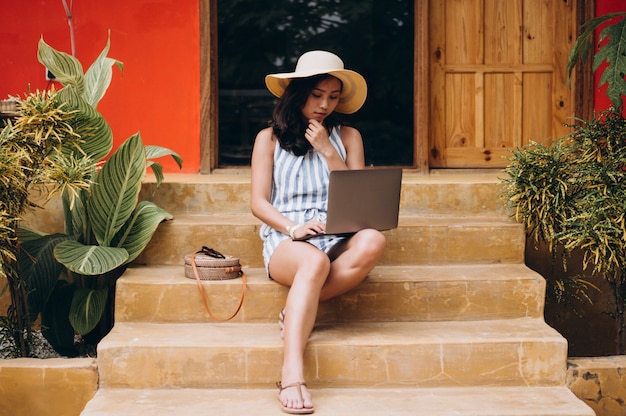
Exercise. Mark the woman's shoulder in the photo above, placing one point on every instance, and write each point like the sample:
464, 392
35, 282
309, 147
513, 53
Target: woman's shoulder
347, 129
349, 134
265, 136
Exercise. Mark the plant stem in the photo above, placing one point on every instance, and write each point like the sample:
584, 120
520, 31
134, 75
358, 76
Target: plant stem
20, 315
619, 296
621, 320
70, 22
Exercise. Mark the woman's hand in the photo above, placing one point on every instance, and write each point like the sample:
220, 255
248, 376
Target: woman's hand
317, 134
310, 227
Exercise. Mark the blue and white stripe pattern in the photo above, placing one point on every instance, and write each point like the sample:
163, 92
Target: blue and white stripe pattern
300, 193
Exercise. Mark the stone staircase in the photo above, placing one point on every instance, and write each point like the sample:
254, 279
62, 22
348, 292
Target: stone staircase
449, 323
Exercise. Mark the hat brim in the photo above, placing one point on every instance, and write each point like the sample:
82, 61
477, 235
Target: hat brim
353, 93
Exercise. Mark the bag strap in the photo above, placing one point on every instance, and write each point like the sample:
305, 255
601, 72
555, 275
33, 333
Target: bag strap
216, 254
211, 252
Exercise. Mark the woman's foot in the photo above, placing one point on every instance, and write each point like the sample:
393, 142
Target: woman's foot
295, 399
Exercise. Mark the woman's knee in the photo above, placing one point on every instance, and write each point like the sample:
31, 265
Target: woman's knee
299, 259
371, 243
316, 264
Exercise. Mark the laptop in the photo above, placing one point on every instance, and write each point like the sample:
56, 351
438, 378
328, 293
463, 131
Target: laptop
362, 198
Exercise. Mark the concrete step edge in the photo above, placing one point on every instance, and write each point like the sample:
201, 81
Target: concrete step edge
242, 176
392, 293
171, 274
464, 401
421, 242
264, 335
507, 353
405, 219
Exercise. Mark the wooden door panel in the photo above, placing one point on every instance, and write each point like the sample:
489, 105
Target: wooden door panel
463, 22
460, 110
497, 77
537, 37
537, 107
502, 22
501, 120
476, 157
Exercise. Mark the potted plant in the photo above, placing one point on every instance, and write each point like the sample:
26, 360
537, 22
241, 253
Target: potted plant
27, 149
571, 193
69, 278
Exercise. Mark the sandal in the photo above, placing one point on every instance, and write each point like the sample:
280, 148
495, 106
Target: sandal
281, 322
292, 410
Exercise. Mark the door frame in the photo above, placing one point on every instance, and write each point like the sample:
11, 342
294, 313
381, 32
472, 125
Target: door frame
583, 82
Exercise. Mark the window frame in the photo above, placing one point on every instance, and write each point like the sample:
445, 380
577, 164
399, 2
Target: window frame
209, 84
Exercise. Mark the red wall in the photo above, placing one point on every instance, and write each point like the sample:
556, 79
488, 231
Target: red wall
158, 41
603, 7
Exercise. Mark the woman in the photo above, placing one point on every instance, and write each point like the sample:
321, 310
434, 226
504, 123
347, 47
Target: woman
291, 163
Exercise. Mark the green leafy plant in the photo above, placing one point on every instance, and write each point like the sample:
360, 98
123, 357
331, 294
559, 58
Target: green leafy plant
106, 226
28, 146
611, 49
572, 193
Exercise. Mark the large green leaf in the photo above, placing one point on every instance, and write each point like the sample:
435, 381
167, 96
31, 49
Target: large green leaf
87, 308
89, 260
88, 123
55, 320
614, 53
157, 170
155, 152
136, 234
38, 268
28, 234
99, 74
95, 132
66, 69
115, 191
75, 215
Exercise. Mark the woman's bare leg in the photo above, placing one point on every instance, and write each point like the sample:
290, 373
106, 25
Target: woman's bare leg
353, 261
313, 278
303, 268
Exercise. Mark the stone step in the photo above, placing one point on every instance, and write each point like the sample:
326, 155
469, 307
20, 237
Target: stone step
439, 194
510, 352
464, 401
417, 240
390, 293
436, 194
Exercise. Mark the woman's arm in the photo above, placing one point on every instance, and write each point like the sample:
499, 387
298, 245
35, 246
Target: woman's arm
261, 182
352, 141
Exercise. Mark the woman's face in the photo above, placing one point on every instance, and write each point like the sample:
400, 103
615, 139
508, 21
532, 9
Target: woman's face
322, 100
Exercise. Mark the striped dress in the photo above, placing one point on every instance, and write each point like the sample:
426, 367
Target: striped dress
300, 193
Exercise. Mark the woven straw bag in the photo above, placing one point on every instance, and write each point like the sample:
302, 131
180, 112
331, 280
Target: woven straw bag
209, 264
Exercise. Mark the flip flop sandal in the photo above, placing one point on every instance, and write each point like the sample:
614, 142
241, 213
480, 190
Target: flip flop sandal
291, 410
281, 322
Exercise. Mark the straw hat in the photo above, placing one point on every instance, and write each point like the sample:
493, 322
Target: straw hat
321, 62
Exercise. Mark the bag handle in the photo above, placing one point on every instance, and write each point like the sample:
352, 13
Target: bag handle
213, 253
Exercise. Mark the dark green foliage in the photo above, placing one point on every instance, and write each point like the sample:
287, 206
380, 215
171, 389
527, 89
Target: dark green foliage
56, 327
573, 193
612, 50
58, 141
27, 147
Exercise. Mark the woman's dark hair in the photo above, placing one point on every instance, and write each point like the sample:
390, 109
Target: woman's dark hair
287, 123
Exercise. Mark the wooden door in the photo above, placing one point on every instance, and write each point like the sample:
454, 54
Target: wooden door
497, 78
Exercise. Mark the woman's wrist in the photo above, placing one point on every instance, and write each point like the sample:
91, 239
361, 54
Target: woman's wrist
291, 229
